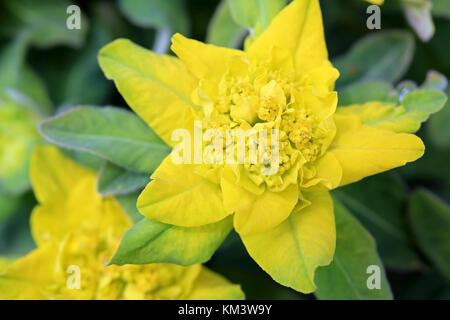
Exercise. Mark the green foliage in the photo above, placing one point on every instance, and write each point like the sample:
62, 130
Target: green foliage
128, 204
255, 14
18, 121
346, 277
151, 241
403, 110
440, 8
362, 92
435, 80
430, 222
223, 30
23, 103
439, 127
9, 205
17, 76
114, 134
84, 82
417, 106
114, 180
45, 21
379, 204
86, 159
383, 56
15, 237
156, 14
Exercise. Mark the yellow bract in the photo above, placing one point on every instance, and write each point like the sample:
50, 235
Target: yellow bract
283, 80
378, 2
364, 150
77, 232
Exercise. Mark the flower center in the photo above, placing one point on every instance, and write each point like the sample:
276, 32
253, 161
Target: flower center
266, 100
89, 251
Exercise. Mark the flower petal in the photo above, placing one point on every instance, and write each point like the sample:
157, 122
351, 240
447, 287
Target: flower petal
157, 87
299, 29
323, 107
28, 277
291, 252
205, 61
211, 286
364, 151
53, 174
328, 172
68, 198
255, 213
179, 196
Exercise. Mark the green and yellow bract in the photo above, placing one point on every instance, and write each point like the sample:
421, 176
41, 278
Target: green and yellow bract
282, 80
74, 226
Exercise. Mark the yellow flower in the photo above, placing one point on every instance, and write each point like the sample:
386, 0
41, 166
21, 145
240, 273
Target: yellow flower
76, 232
283, 80
3, 264
377, 2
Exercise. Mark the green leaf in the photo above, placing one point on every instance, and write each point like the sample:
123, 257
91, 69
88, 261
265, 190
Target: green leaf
32, 86
439, 128
45, 20
363, 92
435, 80
84, 82
117, 180
86, 159
441, 8
112, 133
167, 16
8, 204
415, 108
157, 14
430, 222
405, 87
426, 285
418, 15
383, 217
432, 167
255, 14
17, 76
383, 56
346, 277
222, 30
15, 235
151, 241
19, 118
11, 59
146, 82
128, 203
418, 106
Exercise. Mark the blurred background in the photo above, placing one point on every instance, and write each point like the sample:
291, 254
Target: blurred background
45, 69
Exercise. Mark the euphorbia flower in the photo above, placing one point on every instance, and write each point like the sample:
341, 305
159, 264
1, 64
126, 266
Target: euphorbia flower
283, 80
77, 231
